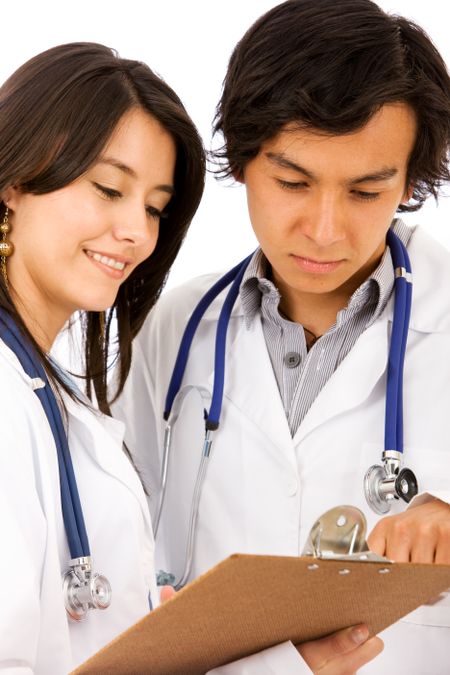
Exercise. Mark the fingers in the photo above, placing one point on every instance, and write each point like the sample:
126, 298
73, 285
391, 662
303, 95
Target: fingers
166, 593
376, 540
342, 652
442, 554
420, 534
423, 548
317, 653
354, 660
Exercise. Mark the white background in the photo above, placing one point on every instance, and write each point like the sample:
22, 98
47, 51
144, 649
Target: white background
188, 43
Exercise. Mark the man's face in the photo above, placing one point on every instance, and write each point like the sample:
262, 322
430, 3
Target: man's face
321, 205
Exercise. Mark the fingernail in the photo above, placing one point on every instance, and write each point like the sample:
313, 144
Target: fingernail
360, 634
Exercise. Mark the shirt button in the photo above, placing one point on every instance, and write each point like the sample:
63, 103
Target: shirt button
292, 359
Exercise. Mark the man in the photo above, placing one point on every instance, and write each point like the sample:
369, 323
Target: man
335, 116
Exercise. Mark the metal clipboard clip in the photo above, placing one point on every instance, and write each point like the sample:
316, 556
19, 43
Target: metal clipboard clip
340, 534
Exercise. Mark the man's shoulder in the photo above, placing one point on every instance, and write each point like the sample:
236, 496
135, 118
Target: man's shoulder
430, 262
175, 307
189, 292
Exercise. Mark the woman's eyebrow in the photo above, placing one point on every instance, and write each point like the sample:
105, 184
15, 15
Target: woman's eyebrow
111, 161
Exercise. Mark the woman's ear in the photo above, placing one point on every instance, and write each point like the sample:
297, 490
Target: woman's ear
9, 197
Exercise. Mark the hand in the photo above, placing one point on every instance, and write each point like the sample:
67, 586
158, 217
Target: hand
341, 653
419, 534
166, 593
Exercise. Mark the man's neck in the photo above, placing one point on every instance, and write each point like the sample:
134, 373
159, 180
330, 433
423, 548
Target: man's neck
315, 312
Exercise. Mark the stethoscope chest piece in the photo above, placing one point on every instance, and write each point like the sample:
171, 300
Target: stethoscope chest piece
383, 484
84, 590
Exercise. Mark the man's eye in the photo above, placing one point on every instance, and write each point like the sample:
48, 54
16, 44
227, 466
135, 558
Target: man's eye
366, 196
291, 185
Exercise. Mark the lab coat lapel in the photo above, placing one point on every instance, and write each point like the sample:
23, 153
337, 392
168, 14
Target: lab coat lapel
354, 379
107, 453
250, 384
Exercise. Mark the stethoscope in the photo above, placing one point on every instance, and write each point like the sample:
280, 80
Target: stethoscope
383, 483
82, 588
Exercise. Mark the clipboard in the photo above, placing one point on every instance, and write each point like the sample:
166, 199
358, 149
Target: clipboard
248, 603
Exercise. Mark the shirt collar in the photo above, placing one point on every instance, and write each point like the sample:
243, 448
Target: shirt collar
375, 290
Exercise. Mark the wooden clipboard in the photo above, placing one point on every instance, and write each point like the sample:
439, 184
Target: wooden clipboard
248, 603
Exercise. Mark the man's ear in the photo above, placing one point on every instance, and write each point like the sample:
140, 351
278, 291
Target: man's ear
238, 176
408, 194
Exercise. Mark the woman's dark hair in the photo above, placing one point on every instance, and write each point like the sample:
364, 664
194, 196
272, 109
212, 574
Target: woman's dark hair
57, 112
330, 65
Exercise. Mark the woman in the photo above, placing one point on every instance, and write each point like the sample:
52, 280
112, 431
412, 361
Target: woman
100, 168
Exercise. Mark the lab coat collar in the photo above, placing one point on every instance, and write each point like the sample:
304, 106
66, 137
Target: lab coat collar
109, 454
430, 263
254, 394
251, 386
345, 391
89, 424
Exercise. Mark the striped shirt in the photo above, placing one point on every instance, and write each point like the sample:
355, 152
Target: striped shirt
301, 374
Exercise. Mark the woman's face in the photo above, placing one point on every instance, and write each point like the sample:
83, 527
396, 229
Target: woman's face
75, 246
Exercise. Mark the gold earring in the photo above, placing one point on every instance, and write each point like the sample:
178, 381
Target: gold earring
6, 246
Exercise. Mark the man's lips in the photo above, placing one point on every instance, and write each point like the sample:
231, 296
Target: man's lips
316, 266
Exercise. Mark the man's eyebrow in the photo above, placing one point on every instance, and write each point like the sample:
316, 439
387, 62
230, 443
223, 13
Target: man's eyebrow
285, 163
374, 177
111, 161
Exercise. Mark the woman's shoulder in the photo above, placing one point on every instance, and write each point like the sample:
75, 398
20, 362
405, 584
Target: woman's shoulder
15, 383
20, 410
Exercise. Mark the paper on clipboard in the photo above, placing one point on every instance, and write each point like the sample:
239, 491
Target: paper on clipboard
248, 603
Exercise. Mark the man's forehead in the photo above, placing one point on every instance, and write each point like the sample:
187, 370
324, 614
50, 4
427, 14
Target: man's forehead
376, 151
388, 115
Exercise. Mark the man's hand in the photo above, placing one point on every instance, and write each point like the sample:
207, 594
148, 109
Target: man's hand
419, 534
166, 593
341, 653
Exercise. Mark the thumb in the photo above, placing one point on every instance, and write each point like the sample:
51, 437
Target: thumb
316, 653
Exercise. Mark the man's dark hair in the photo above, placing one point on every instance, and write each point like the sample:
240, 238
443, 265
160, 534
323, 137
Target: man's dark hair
330, 65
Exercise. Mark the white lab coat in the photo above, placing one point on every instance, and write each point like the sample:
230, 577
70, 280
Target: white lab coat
264, 489
35, 633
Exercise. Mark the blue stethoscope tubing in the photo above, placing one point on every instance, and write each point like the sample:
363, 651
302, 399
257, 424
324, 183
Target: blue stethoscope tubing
235, 275
70, 500
83, 589
400, 327
393, 440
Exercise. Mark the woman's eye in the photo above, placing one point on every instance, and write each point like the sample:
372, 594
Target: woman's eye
291, 185
110, 193
155, 213
366, 196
